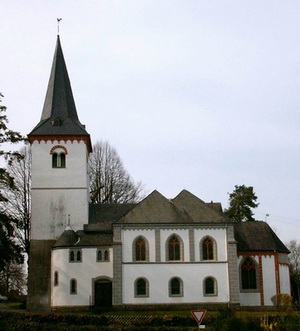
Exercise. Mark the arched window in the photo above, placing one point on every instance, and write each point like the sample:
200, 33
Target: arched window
174, 248
208, 248
73, 286
210, 286
140, 249
54, 160
56, 279
62, 160
175, 287
59, 153
75, 255
59, 160
72, 256
141, 287
102, 255
249, 274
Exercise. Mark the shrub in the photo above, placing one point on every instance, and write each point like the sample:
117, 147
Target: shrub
283, 302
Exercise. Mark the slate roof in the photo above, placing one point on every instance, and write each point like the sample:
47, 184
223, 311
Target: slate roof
198, 210
59, 115
94, 239
185, 208
155, 208
102, 216
68, 238
257, 236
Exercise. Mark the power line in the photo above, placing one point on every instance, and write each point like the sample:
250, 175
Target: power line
278, 218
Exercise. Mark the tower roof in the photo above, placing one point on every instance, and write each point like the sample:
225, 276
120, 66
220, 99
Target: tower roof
59, 115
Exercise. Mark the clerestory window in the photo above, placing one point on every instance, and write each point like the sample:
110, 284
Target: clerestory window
140, 249
208, 249
174, 248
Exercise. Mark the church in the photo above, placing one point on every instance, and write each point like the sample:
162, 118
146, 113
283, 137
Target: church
160, 252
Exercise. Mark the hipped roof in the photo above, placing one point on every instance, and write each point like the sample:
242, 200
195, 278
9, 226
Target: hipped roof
184, 209
257, 236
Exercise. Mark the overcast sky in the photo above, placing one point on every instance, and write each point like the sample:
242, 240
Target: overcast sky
194, 94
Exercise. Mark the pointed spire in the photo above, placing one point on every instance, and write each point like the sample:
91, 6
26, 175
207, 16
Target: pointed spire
59, 100
59, 115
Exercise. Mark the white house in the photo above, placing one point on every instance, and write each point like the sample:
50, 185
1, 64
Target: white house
159, 251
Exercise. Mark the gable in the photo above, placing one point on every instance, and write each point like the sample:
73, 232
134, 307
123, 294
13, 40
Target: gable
155, 208
198, 210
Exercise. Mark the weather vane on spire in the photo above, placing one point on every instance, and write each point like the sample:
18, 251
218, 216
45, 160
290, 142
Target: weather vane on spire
58, 20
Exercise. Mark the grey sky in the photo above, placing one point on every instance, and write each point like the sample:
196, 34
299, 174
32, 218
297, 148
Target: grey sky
197, 95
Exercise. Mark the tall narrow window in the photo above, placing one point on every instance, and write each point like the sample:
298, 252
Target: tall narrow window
249, 274
174, 249
208, 249
140, 250
106, 255
73, 286
141, 287
56, 278
62, 160
99, 256
72, 256
210, 286
78, 256
54, 160
175, 287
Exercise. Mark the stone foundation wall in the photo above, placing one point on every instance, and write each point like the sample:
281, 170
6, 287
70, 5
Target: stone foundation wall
39, 275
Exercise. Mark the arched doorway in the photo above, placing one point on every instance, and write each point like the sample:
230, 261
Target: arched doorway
103, 293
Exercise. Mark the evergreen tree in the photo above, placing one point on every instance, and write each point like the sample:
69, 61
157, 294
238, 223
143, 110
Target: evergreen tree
241, 202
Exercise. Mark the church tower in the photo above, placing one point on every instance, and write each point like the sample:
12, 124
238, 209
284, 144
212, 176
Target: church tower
60, 186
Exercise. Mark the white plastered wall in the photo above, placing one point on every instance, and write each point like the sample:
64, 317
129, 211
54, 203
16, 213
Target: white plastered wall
284, 279
269, 283
128, 238
219, 235
84, 272
158, 275
58, 192
248, 298
269, 279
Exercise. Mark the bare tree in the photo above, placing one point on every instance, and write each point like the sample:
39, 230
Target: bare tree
13, 280
294, 256
109, 181
18, 198
10, 249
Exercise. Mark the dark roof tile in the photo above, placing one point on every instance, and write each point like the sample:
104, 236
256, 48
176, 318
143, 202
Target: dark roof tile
257, 236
